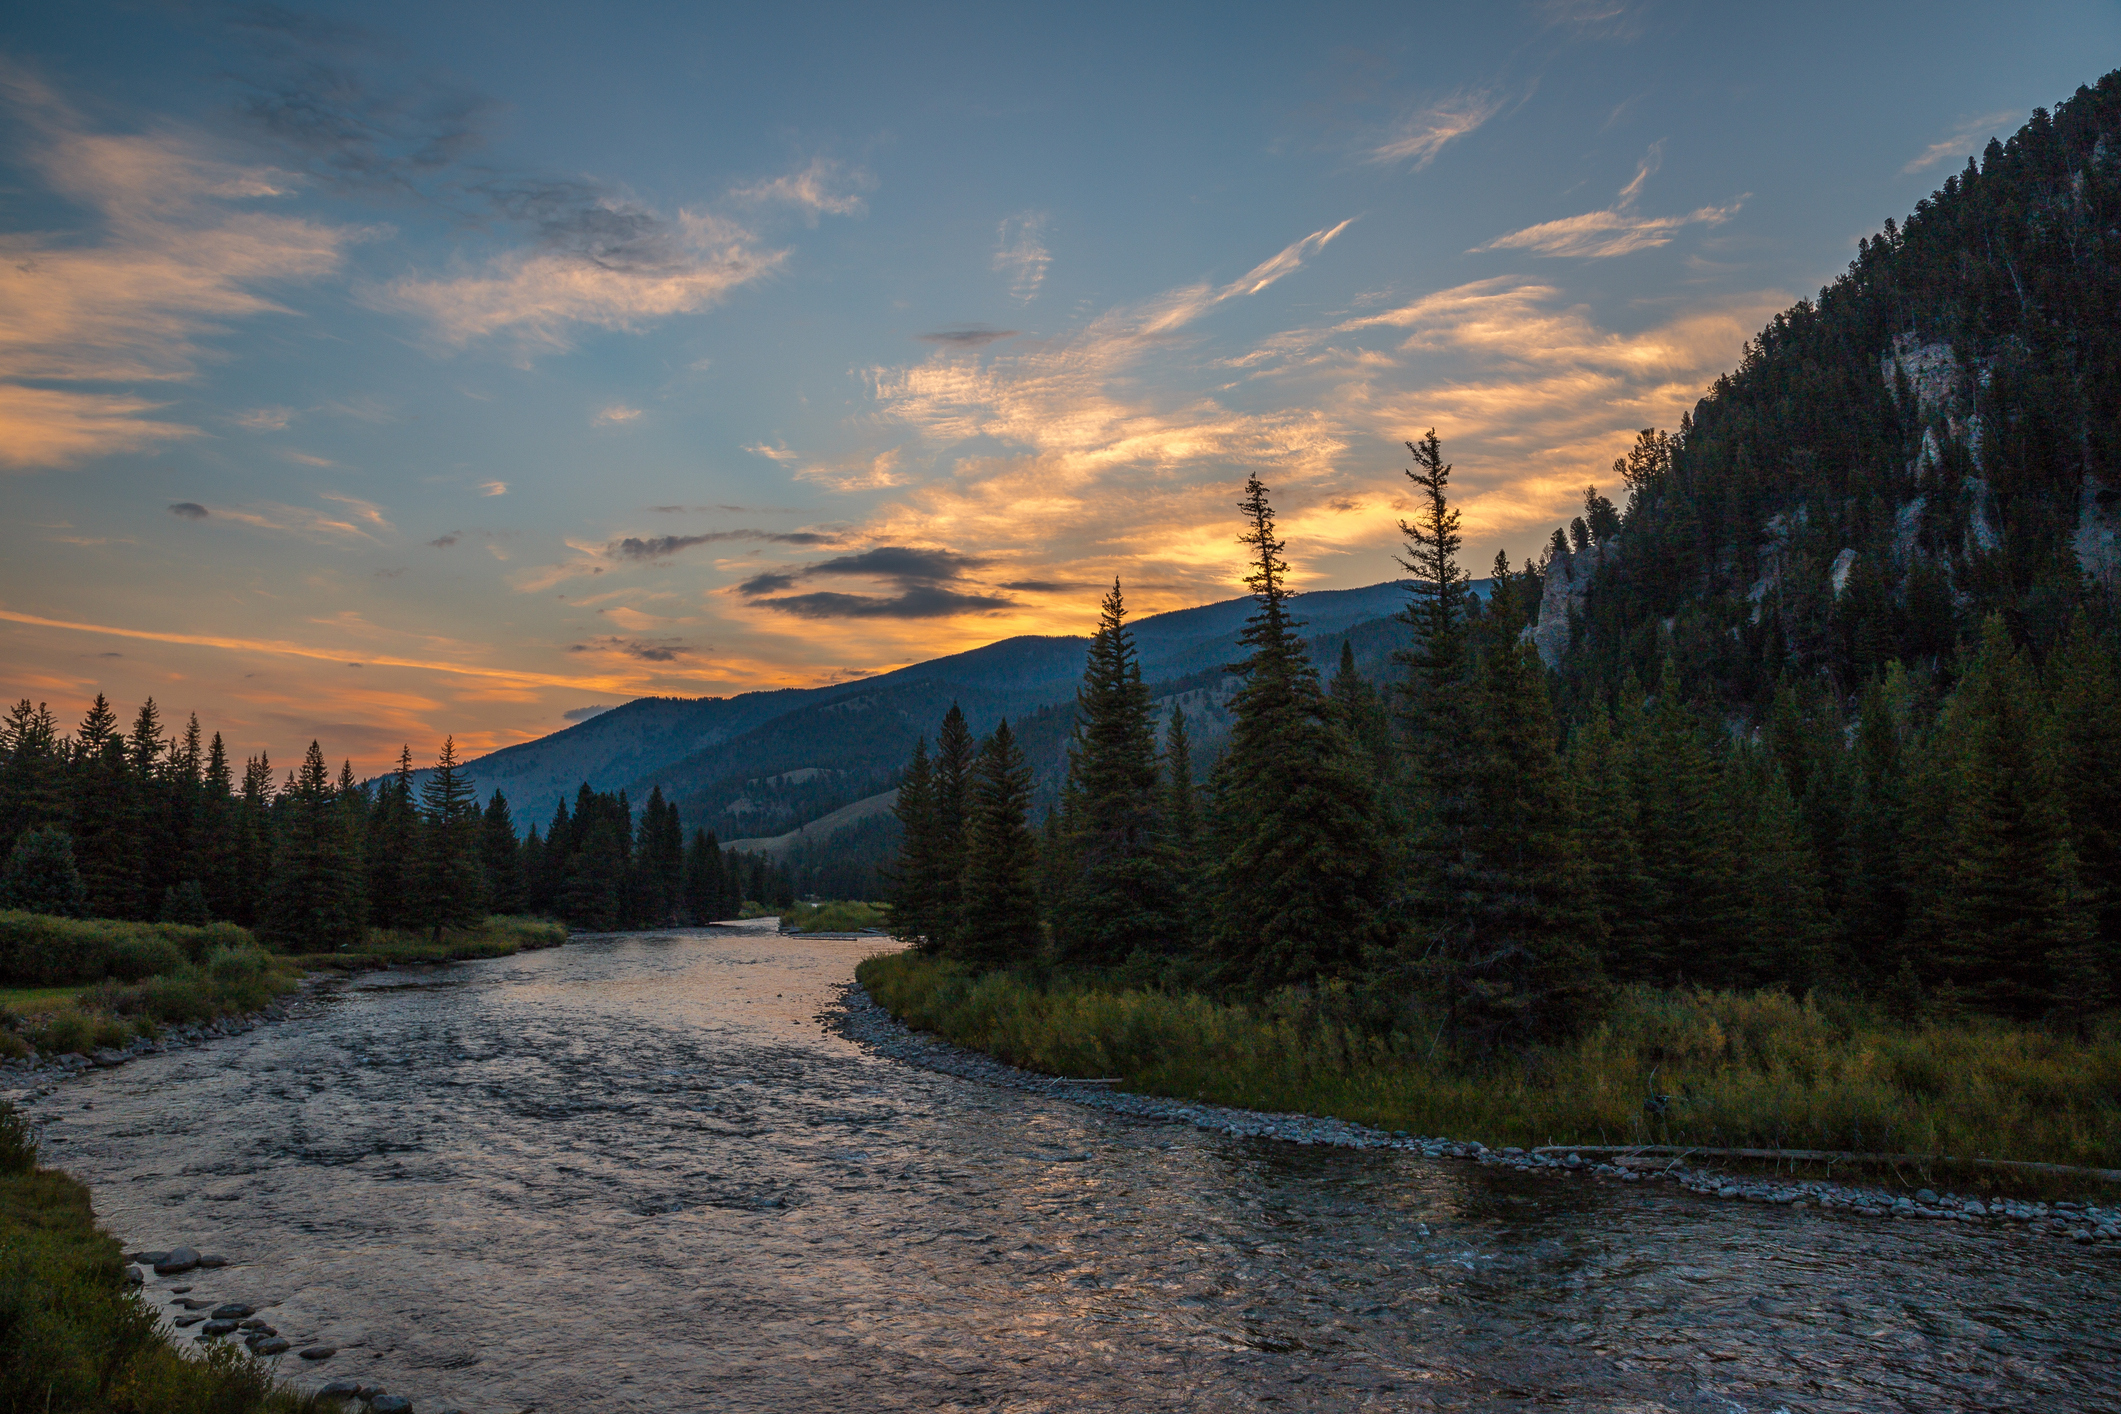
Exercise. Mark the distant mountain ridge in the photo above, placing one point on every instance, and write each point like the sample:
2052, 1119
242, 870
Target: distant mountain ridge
715, 756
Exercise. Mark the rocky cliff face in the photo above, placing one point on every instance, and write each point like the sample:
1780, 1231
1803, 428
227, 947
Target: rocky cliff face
1568, 580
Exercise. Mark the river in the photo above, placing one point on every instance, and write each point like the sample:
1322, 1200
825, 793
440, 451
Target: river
641, 1173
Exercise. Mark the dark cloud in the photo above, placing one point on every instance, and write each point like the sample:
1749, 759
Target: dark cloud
972, 336
663, 546
666, 510
104, 655
667, 651
1042, 586
770, 582
189, 510
582, 714
904, 563
923, 602
443, 542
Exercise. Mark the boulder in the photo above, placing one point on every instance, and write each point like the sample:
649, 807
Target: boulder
340, 1389
320, 1352
270, 1345
218, 1328
233, 1311
176, 1260
390, 1404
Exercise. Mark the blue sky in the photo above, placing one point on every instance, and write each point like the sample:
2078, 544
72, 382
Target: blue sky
375, 372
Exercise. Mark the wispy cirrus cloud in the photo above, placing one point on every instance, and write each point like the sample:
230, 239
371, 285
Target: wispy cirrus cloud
1020, 254
662, 547
177, 249
1961, 141
822, 188
1419, 136
1617, 230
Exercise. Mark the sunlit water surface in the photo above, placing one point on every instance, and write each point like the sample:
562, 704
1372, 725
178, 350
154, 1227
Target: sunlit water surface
640, 1173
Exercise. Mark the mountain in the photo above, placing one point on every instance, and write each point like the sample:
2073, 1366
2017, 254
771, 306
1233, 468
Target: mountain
1935, 439
763, 764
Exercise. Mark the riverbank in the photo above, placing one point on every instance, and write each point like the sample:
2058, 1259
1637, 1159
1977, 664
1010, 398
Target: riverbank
74, 1338
1227, 1068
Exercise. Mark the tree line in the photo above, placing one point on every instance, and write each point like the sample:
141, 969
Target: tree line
148, 824
1454, 843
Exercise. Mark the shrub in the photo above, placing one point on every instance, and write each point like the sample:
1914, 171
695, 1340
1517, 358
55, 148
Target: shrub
41, 950
18, 1141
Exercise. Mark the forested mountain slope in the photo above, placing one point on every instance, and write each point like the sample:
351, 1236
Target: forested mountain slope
1936, 438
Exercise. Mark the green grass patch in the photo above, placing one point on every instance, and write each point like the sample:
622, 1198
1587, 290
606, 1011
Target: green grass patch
74, 1339
501, 935
842, 916
36, 998
227, 981
1742, 1070
39, 950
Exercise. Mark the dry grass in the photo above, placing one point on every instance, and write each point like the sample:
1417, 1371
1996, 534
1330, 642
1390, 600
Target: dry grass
1754, 1070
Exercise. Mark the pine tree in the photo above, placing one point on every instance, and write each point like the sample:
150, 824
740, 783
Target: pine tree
1182, 828
212, 850
448, 889
914, 876
1608, 820
1874, 917
1521, 958
388, 853
104, 815
32, 772
254, 839
1687, 843
2084, 695
501, 857
2018, 924
312, 903
703, 879
1299, 868
1118, 900
998, 920
40, 876
1785, 927
954, 752
1364, 718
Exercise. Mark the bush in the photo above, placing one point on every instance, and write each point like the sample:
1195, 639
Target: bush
41, 950
840, 916
40, 876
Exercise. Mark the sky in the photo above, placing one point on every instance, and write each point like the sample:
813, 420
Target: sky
371, 373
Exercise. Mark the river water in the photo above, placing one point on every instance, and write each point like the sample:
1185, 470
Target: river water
641, 1173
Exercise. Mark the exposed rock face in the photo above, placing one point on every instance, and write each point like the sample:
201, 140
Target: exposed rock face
1838, 576
1932, 371
2098, 539
1568, 580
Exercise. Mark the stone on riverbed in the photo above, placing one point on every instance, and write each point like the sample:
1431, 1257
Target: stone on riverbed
390, 1404
218, 1328
211, 1261
320, 1352
340, 1389
182, 1321
263, 1344
176, 1261
233, 1311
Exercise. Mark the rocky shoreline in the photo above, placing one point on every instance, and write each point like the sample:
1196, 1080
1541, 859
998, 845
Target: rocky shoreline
862, 1021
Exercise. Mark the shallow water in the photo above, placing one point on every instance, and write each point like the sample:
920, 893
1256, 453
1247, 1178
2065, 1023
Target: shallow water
639, 1173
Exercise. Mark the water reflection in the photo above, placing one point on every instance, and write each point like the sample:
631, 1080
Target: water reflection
637, 1173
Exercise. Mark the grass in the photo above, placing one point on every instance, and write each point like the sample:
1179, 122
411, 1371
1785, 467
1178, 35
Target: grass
1754, 1070
74, 1339
38, 950
227, 981
842, 916
501, 935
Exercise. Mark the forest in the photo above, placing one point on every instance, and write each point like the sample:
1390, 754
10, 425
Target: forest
153, 825
1840, 712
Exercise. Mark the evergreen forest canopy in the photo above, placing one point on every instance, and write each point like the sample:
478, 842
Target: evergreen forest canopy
148, 825
1846, 713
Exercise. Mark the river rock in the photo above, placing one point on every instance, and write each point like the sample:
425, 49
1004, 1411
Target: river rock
135, 1277
340, 1389
233, 1311
218, 1328
147, 1259
390, 1404
270, 1345
109, 1059
1925, 1196
320, 1352
182, 1321
176, 1261
211, 1261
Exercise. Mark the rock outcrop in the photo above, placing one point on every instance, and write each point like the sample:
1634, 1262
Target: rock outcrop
1568, 580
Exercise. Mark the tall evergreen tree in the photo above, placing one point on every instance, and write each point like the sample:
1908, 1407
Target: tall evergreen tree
1118, 900
40, 876
2017, 924
501, 857
998, 922
254, 839
313, 901
1688, 845
1299, 871
704, 888
105, 817
32, 772
915, 877
954, 753
1364, 718
211, 851
1182, 826
447, 884
389, 852
2083, 683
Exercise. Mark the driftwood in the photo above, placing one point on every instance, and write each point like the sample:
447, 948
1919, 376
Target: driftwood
1827, 1156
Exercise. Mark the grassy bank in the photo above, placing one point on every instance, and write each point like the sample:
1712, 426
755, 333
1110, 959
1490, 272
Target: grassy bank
500, 935
1742, 1070
74, 1339
79, 985
839, 916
